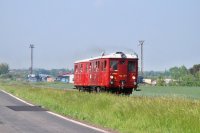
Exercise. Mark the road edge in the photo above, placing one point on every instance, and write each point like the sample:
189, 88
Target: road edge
57, 115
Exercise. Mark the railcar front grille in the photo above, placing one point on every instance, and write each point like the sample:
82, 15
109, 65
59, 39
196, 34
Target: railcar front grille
123, 81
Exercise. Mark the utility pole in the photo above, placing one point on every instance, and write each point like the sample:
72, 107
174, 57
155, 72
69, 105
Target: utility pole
31, 46
141, 42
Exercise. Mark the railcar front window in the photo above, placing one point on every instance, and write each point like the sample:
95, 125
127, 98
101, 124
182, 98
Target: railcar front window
122, 62
114, 65
131, 66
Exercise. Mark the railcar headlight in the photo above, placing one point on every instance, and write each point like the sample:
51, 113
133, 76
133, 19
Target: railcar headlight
111, 82
133, 77
135, 83
111, 77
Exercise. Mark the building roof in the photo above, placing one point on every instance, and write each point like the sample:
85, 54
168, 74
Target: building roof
112, 55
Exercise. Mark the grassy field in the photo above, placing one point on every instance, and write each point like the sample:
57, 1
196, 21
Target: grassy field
55, 85
137, 113
169, 91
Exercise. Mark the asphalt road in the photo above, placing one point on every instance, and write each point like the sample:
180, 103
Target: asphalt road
12, 121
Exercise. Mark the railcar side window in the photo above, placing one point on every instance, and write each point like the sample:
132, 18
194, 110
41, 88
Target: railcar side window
101, 66
104, 67
76, 68
98, 64
81, 67
93, 66
87, 68
131, 66
90, 67
114, 65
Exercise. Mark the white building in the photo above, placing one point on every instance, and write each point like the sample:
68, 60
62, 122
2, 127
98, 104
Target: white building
67, 78
71, 78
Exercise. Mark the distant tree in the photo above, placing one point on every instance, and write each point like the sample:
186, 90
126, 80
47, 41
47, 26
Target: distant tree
174, 72
4, 68
54, 72
197, 75
178, 72
188, 80
156, 74
166, 73
195, 72
195, 69
42, 71
183, 71
160, 81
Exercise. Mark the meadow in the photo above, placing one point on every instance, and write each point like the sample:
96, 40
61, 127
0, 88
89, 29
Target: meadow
169, 91
156, 109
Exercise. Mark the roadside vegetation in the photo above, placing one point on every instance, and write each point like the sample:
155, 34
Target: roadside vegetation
137, 113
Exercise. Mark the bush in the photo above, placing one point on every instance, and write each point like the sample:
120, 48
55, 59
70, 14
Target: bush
160, 81
4, 68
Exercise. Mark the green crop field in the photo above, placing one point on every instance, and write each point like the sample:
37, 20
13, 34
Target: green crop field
169, 91
154, 109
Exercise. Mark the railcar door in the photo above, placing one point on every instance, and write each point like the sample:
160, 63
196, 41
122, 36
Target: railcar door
105, 75
122, 72
132, 73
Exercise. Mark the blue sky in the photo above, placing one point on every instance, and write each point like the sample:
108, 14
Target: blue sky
64, 31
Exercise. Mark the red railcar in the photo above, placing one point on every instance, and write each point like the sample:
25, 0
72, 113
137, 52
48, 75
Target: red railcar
115, 72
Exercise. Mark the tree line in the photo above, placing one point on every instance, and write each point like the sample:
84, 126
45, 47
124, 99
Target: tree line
14, 74
181, 76
186, 77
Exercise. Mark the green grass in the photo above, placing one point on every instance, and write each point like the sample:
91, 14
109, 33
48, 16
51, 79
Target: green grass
138, 114
55, 85
169, 91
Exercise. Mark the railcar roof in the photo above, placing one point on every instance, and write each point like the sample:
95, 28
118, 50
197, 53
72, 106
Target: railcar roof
116, 55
